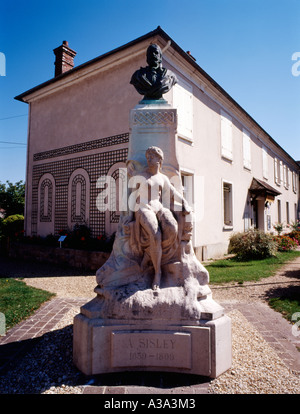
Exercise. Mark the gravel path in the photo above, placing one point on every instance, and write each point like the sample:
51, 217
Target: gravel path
256, 366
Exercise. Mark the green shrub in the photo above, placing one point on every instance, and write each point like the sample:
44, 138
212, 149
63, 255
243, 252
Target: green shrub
13, 226
253, 244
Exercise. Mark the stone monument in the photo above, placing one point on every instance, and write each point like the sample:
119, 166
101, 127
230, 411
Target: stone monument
153, 309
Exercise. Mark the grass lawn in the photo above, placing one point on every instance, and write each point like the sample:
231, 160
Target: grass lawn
18, 301
233, 270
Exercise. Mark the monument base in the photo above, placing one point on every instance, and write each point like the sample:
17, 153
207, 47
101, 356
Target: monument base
106, 346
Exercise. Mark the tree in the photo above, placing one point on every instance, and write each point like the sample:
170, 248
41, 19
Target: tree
12, 197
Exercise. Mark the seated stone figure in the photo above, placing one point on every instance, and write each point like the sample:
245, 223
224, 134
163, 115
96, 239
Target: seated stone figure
153, 81
153, 241
155, 221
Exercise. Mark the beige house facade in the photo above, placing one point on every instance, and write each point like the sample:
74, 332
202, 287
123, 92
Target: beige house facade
235, 175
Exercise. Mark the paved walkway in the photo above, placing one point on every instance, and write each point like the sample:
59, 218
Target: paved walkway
273, 327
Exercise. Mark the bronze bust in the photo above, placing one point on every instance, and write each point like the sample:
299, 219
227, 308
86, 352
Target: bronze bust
153, 81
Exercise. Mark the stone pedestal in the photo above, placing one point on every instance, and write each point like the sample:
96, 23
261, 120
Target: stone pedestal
172, 330
104, 346
154, 125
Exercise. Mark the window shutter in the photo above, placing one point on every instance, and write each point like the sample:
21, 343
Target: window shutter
284, 175
247, 149
280, 172
276, 170
265, 163
294, 178
287, 177
226, 136
183, 102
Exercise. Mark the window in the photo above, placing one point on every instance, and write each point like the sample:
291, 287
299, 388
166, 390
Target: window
294, 180
286, 179
183, 102
276, 171
265, 163
247, 149
279, 211
226, 136
287, 213
227, 204
187, 187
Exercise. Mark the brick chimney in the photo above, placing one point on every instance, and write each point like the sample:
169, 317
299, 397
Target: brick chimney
64, 58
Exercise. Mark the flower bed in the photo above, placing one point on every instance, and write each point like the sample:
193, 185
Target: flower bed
286, 242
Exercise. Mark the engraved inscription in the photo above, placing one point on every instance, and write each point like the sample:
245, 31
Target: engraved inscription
152, 349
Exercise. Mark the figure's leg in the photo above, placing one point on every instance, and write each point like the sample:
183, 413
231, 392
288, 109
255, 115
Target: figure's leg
148, 221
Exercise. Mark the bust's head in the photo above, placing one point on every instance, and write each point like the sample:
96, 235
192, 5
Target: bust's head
154, 56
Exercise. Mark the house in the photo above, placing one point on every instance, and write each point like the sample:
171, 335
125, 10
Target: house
233, 171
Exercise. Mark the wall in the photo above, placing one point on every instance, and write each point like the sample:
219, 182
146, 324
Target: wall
54, 255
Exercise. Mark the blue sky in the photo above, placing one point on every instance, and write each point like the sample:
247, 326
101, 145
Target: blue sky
244, 45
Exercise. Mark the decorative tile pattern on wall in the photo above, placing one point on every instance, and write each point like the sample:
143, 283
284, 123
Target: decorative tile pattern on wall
95, 165
85, 146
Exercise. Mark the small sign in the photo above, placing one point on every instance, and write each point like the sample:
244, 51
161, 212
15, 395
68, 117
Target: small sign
62, 238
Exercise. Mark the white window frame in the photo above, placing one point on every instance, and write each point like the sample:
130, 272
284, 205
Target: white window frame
229, 224
294, 180
183, 102
226, 136
246, 149
188, 189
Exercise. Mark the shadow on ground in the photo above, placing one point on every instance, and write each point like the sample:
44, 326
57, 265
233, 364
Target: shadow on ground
291, 292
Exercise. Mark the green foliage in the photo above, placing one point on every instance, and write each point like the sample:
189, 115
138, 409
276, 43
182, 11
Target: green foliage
253, 244
13, 226
12, 197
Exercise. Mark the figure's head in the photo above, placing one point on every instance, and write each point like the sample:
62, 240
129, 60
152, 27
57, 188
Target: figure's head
154, 154
154, 56
155, 150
